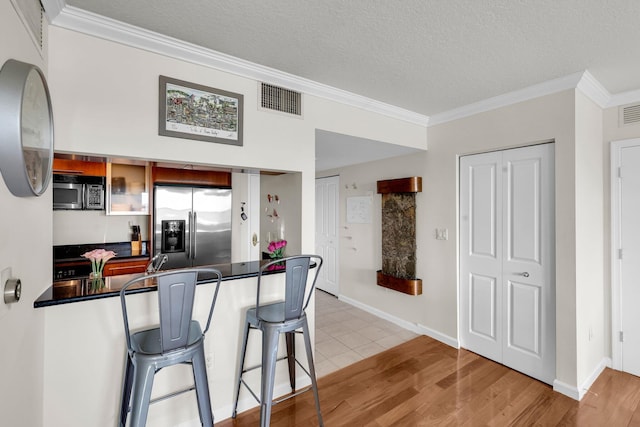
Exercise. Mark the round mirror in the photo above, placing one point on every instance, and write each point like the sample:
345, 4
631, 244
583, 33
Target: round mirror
26, 129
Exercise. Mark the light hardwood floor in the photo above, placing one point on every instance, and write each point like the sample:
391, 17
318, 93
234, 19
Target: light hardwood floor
424, 382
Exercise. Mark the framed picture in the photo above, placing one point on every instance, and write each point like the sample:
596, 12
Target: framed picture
193, 111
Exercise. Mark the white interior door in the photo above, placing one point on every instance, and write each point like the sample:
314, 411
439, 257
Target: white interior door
626, 263
507, 258
327, 243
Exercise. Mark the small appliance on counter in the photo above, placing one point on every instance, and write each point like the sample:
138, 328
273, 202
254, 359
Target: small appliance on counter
78, 192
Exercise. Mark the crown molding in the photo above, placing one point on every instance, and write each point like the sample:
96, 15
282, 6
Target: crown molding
79, 20
624, 98
593, 89
72, 18
547, 88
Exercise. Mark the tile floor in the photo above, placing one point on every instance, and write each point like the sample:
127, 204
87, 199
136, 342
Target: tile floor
345, 334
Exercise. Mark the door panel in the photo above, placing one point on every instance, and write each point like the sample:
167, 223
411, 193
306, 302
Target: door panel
483, 208
529, 267
524, 334
507, 257
629, 236
172, 203
212, 223
524, 209
327, 243
483, 307
481, 255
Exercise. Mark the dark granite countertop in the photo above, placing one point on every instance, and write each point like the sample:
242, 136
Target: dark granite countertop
85, 289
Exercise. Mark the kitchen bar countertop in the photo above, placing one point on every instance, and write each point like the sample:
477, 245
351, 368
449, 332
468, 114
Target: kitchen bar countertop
86, 289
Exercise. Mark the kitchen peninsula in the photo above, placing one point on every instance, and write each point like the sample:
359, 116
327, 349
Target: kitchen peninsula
87, 289
84, 342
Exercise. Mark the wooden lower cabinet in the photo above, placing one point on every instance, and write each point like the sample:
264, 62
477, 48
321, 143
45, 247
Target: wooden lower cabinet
114, 268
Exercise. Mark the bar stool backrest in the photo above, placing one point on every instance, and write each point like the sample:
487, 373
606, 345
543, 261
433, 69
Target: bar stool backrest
176, 292
296, 271
175, 298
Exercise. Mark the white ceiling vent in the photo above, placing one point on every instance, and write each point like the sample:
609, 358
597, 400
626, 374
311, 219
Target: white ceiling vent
280, 99
630, 114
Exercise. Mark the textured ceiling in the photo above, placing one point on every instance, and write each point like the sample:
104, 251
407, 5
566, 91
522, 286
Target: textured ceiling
426, 56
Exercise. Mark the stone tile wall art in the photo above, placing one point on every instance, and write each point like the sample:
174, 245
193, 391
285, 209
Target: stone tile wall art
399, 235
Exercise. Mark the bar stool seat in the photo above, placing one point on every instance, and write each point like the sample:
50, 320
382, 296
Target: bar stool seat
274, 318
176, 340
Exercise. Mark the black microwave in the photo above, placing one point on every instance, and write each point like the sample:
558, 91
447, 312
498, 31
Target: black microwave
77, 192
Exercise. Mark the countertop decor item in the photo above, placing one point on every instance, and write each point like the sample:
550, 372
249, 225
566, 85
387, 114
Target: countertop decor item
276, 248
26, 129
98, 258
97, 283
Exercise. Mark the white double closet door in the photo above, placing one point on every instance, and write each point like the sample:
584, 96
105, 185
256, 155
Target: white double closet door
507, 259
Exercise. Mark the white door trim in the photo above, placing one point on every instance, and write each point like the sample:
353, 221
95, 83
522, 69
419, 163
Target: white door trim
616, 312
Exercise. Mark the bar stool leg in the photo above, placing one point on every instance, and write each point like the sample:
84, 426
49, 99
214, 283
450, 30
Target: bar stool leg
312, 369
291, 358
199, 366
269, 356
243, 353
142, 385
127, 383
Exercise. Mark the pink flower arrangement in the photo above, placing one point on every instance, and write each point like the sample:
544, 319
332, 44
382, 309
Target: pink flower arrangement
276, 248
98, 258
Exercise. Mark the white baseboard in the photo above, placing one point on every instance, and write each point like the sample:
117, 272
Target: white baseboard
413, 327
577, 393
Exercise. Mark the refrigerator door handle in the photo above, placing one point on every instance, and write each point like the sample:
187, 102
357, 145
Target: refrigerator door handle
188, 245
195, 234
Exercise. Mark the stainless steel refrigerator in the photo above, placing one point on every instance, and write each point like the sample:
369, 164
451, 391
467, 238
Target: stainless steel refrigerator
192, 225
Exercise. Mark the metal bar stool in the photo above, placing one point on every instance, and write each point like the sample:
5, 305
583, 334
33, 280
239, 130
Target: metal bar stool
273, 319
177, 339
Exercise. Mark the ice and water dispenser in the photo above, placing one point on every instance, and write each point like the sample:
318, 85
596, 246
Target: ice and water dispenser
173, 233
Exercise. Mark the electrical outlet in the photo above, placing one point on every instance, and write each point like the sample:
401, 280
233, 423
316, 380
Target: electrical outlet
209, 360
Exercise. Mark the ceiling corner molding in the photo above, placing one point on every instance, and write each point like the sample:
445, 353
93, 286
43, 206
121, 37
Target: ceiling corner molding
594, 90
79, 20
546, 88
52, 8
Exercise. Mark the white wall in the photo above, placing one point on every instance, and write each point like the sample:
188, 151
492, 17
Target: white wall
590, 283
77, 227
578, 220
287, 225
25, 227
106, 98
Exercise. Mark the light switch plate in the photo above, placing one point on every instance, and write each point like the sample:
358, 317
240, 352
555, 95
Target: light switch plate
4, 276
442, 234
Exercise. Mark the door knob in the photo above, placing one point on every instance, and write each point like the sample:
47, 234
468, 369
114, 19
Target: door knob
525, 274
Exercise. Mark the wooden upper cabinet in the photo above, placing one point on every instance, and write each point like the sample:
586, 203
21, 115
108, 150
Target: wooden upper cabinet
79, 167
191, 177
128, 189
